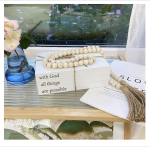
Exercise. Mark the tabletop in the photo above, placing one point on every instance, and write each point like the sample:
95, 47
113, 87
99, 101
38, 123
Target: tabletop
24, 102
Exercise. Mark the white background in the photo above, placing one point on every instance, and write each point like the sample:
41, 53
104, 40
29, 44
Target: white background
69, 142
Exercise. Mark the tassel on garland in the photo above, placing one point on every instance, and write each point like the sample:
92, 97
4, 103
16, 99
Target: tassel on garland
136, 108
136, 99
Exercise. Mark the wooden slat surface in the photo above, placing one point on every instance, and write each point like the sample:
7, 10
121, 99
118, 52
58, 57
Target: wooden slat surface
60, 114
127, 130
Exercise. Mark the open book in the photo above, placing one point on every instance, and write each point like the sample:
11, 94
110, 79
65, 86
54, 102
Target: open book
112, 100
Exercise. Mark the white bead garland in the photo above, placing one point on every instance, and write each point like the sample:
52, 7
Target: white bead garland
85, 59
50, 60
113, 83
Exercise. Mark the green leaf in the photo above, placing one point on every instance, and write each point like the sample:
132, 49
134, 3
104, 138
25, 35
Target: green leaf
13, 135
99, 124
46, 130
31, 38
74, 126
32, 132
35, 132
24, 43
7, 53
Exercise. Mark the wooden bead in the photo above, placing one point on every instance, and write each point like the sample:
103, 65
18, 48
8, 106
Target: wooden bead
84, 47
98, 50
48, 56
77, 58
56, 56
64, 53
77, 51
60, 54
118, 86
81, 51
94, 50
60, 65
70, 64
104, 56
93, 46
50, 59
54, 65
111, 72
53, 61
90, 61
119, 80
81, 63
68, 60
57, 62
72, 59
94, 59
66, 65
68, 52
81, 56
73, 52
97, 46
113, 84
76, 64
53, 57
85, 56
45, 63
90, 56
85, 51
57, 52
49, 65
89, 50
45, 60
110, 81
63, 61
116, 77
102, 53
113, 75
85, 62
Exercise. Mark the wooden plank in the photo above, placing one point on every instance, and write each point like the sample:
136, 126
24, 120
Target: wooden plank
127, 130
122, 57
60, 114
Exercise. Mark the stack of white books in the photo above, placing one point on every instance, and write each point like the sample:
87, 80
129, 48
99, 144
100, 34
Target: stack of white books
51, 80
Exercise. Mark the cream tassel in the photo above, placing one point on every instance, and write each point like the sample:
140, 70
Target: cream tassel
136, 99
136, 107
